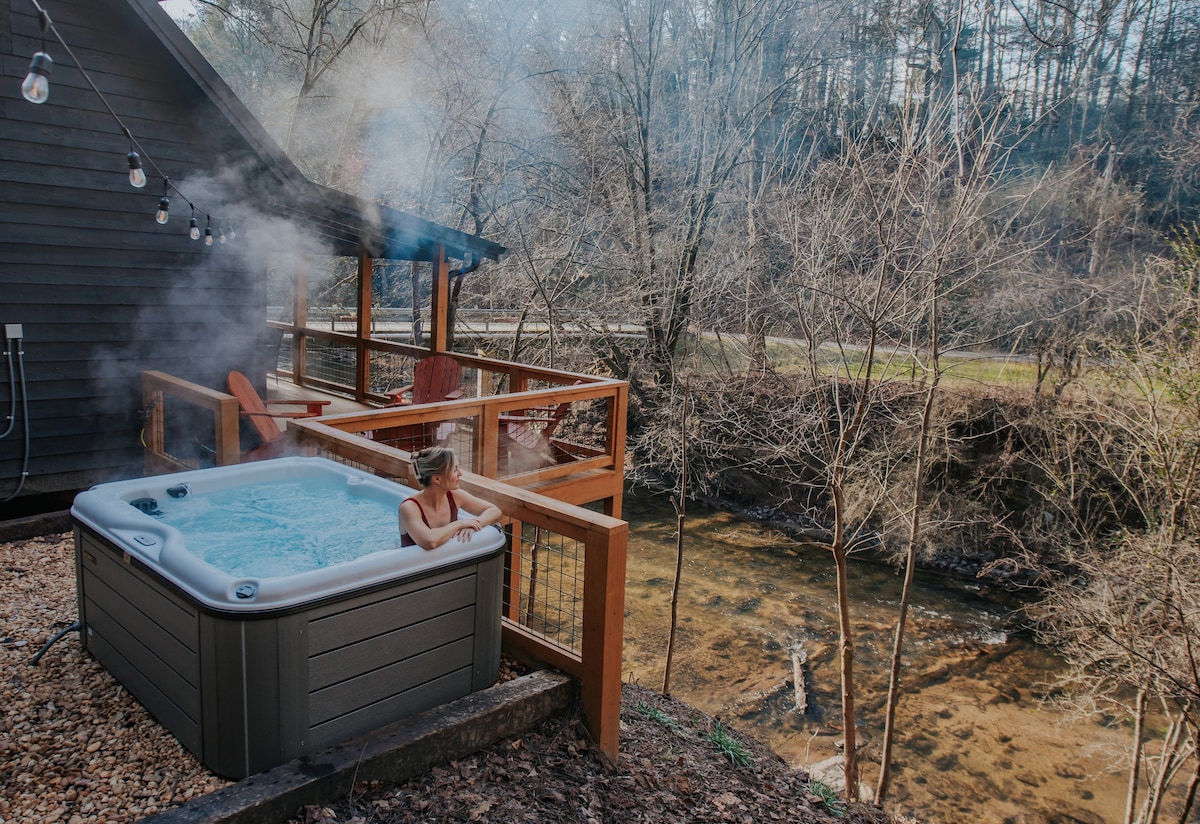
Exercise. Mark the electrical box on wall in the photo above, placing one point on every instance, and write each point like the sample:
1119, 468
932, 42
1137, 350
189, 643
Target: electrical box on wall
13, 331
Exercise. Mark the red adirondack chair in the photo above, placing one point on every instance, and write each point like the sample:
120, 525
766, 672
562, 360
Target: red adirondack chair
435, 378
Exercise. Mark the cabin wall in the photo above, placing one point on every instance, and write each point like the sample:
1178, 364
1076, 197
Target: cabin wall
103, 292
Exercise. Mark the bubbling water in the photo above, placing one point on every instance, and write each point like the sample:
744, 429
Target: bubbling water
281, 528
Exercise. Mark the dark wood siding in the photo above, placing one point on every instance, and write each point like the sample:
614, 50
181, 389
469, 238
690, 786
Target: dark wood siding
101, 290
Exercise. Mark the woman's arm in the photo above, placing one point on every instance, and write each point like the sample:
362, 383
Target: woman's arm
465, 527
488, 513
426, 537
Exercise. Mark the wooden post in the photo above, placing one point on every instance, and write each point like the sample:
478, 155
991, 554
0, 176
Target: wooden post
603, 628
228, 439
439, 302
615, 445
299, 342
487, 439
362, 355
512, 573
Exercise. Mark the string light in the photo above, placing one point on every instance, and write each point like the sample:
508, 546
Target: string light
36, 89
36, 86
137, 175
164, 204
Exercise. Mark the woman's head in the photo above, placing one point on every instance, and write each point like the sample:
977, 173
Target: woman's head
434, 460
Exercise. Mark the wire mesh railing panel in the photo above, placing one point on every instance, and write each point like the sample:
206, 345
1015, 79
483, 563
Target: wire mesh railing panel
546, 436
330, 361
456, 433
283, 361
389, 371
548, 575
188, 433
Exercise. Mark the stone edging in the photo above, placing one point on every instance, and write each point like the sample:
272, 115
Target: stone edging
393, 754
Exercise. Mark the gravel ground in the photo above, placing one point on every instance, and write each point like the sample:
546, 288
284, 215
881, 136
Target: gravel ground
74, 745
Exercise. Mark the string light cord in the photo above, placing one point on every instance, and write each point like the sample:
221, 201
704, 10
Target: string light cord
222, 226
48, 25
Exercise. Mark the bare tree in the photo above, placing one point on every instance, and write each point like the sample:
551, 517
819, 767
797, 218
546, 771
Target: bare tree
1127, 482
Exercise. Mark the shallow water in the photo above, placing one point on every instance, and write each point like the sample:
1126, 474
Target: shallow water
974, 742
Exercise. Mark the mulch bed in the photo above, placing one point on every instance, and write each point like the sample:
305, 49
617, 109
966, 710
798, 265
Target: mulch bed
673, 767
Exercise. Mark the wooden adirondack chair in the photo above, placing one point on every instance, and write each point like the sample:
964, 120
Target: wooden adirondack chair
435, 378
265, 422
525, 440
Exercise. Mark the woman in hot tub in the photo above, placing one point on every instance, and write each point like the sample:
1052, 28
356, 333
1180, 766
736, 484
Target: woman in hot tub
433, 516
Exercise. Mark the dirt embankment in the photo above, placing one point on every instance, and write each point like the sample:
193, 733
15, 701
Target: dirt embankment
985, 511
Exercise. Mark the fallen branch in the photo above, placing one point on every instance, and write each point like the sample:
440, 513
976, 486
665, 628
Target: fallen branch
799, 657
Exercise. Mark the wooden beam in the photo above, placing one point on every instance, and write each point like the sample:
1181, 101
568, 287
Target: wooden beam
439, 309
362, 356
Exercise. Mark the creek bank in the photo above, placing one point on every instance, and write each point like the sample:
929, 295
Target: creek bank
756, 446
979, 564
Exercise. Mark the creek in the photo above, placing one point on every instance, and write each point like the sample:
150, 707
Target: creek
975, 740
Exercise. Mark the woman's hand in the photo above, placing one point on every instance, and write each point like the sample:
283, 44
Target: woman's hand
467, 529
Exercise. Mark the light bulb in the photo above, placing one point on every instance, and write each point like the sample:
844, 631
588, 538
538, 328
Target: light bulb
36, 87
163, 206
193, 229
221, 235
207, 236
137, 175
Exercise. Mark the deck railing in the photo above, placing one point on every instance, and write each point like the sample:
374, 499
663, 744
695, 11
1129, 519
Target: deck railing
186, 425
363, 367
581, 463
564, 593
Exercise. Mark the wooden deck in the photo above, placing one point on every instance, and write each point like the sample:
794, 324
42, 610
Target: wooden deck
284, 390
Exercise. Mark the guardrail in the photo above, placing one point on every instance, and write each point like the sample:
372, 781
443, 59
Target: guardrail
170, 449
584, 461
564, 593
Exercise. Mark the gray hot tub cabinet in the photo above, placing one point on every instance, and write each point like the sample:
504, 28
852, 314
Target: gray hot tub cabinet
247, 692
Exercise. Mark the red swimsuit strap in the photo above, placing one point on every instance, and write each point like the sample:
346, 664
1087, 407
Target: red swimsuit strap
421, 509
406, 539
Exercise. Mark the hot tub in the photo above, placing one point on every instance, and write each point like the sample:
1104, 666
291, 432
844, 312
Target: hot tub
252, 661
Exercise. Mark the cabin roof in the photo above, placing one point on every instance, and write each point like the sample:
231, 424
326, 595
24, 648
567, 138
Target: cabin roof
348, 222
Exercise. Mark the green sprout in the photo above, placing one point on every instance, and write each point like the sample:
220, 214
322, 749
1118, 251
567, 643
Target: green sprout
730, 747
657, 715
829, 797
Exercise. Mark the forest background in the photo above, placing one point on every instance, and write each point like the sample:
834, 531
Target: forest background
828, 216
